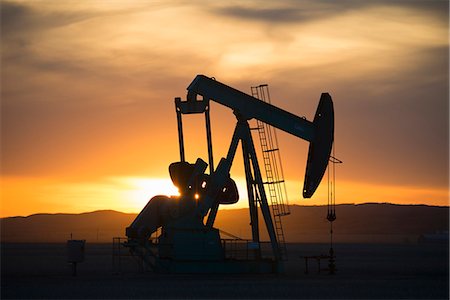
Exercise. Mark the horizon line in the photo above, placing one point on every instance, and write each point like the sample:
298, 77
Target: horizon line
135, 213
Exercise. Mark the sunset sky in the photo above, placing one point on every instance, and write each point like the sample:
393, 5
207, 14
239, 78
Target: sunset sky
87, 88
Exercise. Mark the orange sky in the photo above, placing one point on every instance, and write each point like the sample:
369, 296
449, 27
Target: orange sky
88, 118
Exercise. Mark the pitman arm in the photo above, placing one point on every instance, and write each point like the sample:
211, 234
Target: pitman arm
320, 132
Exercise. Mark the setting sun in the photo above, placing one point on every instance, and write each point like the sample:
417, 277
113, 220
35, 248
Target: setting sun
138, 191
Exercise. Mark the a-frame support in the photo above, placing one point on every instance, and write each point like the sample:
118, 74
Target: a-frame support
255, 186
248, 150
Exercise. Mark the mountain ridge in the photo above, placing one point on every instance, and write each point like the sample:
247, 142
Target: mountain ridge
367, 222
229, 209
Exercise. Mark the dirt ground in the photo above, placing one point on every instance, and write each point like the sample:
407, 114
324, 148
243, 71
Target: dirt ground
364, 271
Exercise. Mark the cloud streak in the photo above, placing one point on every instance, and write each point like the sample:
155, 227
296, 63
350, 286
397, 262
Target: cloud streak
304, 11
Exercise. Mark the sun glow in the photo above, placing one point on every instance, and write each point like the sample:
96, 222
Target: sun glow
139, 190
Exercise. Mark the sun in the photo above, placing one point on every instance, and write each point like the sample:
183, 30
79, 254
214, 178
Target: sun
139, 190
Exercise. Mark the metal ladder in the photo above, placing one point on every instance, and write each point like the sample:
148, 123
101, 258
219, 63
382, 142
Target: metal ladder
275, 183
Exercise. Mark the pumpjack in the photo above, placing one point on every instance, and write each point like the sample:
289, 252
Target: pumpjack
188, 242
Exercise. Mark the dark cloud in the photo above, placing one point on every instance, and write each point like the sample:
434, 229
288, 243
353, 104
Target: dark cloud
305, 11
23, 26
21, 19
12, 16
283, 14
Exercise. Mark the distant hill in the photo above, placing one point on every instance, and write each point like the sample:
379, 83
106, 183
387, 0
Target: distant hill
355, 223
370, 222
97, 226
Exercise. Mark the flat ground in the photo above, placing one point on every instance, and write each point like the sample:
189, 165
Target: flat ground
365, 271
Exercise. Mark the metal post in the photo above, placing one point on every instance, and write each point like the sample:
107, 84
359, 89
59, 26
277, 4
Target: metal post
209, 140
180, 129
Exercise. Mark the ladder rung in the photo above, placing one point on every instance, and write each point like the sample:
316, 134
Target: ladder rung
283, 214
273, 182
271, 150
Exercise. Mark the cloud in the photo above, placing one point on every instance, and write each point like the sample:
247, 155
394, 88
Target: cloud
284, 12
272, 15
303, 11
22, 20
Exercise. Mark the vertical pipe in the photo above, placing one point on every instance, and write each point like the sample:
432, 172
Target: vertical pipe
180, 129
209, 140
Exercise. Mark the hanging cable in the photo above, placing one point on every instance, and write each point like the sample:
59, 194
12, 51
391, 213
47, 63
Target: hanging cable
331, 205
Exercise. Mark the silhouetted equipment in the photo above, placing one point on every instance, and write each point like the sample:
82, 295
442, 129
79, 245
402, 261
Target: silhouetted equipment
188, 242
331, 207
275, 184
318, 258
75, 253
331, 217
